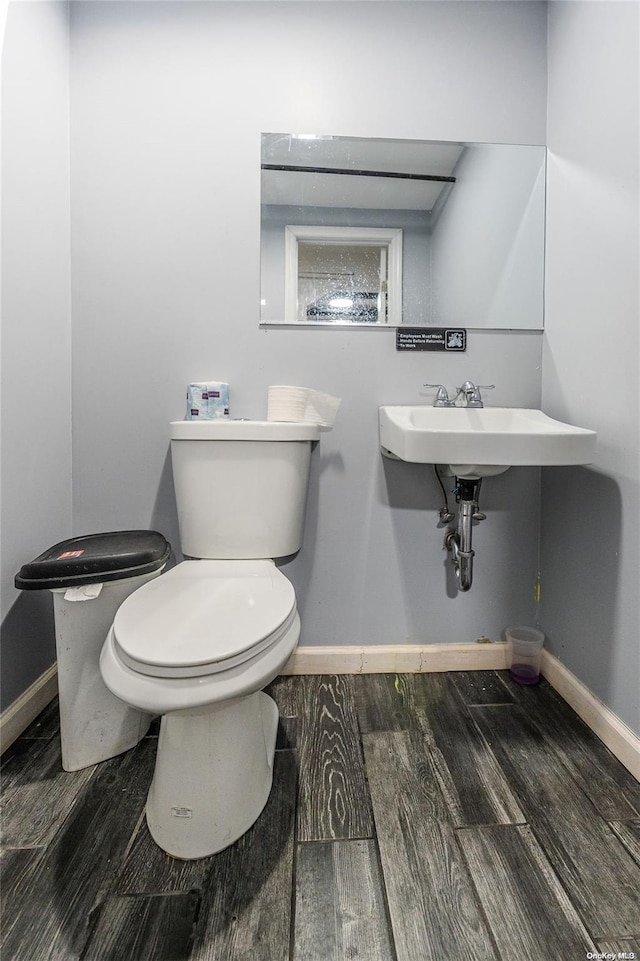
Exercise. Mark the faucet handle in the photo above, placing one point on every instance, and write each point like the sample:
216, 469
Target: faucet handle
442, 397
468, 387
475, 398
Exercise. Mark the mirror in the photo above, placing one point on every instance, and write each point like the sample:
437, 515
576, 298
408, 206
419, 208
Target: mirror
378, 233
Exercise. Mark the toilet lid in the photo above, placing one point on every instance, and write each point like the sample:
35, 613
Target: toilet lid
203, 616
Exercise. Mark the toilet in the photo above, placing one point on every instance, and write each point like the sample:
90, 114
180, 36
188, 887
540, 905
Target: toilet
199, 643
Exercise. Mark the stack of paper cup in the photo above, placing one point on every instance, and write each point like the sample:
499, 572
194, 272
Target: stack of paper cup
302, 405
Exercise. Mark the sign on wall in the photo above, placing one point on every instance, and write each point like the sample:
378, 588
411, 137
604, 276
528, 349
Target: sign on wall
431, 338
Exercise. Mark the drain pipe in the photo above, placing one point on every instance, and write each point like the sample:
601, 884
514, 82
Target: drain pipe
458, 541
445, 514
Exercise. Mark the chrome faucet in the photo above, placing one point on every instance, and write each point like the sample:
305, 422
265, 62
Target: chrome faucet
471, 394
442, 397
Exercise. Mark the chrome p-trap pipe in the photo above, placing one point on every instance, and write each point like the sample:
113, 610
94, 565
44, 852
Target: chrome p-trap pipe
458, 541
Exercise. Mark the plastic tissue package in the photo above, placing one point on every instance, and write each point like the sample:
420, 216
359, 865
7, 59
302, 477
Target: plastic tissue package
302, 405
207, 401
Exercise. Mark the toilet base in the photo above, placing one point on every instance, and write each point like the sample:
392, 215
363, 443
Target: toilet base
213, 775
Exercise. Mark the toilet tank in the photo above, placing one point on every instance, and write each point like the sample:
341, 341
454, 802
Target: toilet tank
241, 486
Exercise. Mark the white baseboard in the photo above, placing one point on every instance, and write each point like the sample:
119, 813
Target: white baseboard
397, 659
25, 709
619, 738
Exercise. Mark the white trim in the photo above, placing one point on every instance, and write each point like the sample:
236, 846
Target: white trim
290, 276
389, 237
397, 659
25, 709
619, 738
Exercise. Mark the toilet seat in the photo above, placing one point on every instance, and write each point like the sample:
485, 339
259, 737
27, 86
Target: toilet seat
204, 617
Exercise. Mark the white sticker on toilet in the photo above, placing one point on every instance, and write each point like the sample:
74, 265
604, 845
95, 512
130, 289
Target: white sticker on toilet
182, 812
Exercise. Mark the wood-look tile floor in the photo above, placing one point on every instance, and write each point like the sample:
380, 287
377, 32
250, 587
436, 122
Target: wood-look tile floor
412, 817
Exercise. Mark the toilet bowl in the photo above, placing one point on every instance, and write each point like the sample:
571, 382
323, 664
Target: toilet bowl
197, 645
203, 632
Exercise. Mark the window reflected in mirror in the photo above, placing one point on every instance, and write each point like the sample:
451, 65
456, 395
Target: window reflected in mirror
343, 275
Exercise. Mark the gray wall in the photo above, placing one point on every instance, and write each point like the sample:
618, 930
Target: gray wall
36, 329
590, 517
167, 105
490, 234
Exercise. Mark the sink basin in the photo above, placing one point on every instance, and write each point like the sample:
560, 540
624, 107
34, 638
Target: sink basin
483, 441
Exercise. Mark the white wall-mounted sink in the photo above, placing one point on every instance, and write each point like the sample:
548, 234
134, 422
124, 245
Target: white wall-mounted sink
483, 441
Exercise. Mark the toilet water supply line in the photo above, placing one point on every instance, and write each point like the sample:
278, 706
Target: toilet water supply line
458, 540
